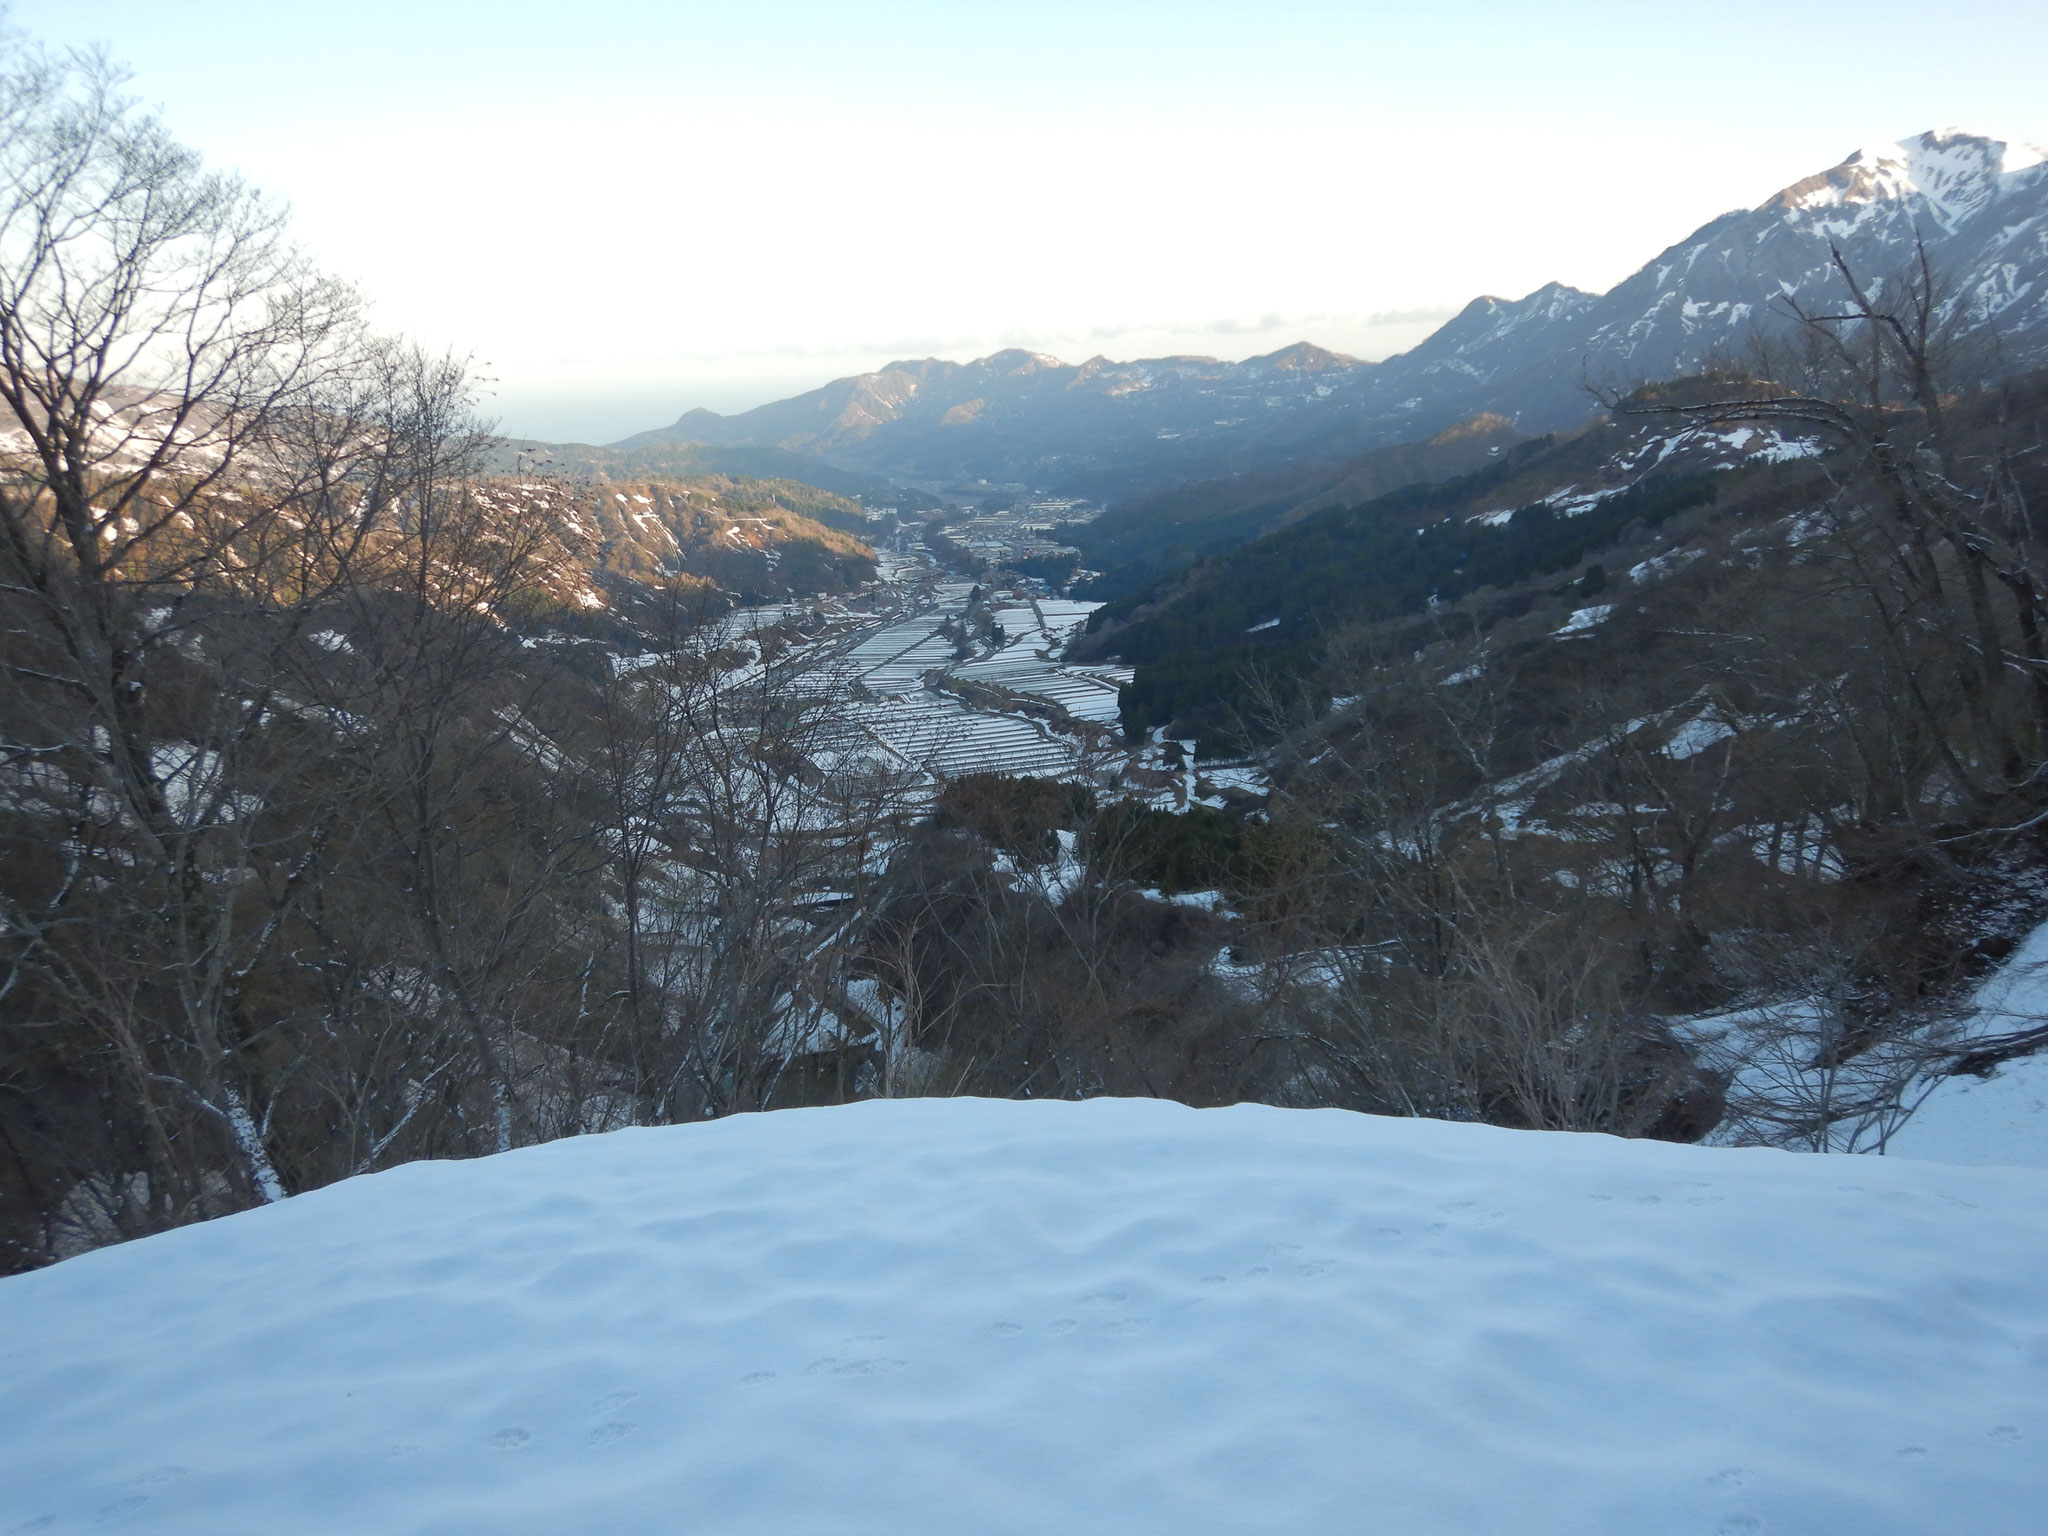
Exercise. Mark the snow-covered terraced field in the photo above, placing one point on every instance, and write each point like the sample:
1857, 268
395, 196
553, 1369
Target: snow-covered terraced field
1028, 662
767, 615
1017, 621
930, 732
924, 1318
895, 659
926, 730
1086, 695
1063, 613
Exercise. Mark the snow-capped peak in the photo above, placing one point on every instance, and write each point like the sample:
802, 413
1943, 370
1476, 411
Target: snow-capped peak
1953, 171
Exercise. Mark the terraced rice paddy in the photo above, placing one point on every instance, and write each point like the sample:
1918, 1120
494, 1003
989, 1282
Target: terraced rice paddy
884, 674
940, 735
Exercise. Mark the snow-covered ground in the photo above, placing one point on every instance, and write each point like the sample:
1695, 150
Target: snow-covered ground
958, 1316
2002, 1119
1996, 1121
1888, 1099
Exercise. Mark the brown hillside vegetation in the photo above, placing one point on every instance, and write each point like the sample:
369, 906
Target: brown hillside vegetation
609, 544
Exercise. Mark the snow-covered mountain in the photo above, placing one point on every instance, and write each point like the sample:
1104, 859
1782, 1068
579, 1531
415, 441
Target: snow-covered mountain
1979, 203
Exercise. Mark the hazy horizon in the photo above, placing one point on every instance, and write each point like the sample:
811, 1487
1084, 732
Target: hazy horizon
657, 207
590, 415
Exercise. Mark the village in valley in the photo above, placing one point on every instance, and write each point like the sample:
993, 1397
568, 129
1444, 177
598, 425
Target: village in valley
945, 674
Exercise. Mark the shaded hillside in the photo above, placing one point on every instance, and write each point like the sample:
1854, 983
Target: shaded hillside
1203, 638
1135, 540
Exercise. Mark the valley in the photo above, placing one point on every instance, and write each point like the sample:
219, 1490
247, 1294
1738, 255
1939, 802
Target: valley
1621, 712
916, 686
1437, 941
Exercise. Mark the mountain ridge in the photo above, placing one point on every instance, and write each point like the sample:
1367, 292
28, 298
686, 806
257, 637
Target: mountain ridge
1118, 428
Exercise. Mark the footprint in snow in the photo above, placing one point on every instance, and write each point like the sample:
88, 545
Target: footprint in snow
1730, 1477
1061, 1325
1257, 1272
40, 1523
120, 1507
2006, 1434
1315, 1267
609, 1433
1007, 1330
1739, 1525
1214, 1280
1104, 1299
1123, 1327
612, 1401
833, 1365
511, 1439
1913, 1452
755, 1378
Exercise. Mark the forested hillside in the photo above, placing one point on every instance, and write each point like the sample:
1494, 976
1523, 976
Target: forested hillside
618, 553
795, 482
1211, 639
1137, 539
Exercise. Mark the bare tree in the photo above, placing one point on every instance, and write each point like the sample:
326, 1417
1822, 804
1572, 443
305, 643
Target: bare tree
1929, 515
1929, 746
160, 339
743, 826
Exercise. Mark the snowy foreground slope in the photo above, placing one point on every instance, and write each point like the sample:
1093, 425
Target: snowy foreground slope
2002, 1120
958, 1316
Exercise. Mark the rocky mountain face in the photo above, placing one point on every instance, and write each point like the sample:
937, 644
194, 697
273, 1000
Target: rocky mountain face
1114, 429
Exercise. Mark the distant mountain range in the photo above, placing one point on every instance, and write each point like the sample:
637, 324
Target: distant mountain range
1113, 429
1025, 416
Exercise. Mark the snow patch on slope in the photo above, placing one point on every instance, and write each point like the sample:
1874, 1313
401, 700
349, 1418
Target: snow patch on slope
2002, 1119
1953, 172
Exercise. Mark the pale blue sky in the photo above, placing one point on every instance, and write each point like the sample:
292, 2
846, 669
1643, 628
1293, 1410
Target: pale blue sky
624, 209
